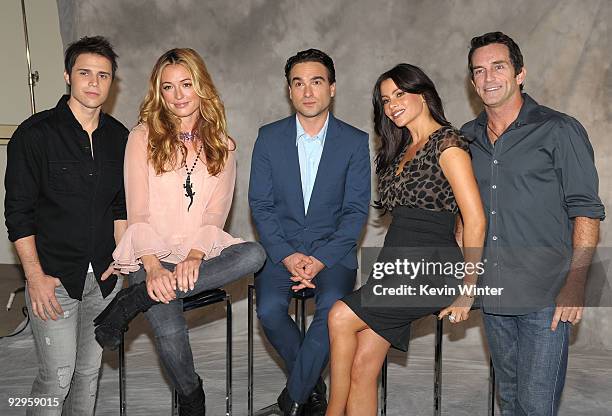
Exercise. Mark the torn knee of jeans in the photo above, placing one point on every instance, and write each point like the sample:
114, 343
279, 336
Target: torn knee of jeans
64, 376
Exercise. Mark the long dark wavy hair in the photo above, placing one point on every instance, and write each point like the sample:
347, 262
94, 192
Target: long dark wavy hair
413, 80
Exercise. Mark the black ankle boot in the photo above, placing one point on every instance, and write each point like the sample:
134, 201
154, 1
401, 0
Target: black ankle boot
114, 319
194, 404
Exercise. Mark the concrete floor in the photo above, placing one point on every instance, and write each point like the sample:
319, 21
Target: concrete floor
465, 369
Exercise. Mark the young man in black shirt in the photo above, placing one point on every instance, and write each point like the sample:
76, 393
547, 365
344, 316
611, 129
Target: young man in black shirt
65, 209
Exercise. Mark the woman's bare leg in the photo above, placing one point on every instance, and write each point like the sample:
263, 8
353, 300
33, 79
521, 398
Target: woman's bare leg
367, 362
344, 325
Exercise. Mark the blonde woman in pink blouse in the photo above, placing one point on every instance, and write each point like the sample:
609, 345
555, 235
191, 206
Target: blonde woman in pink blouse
180, 172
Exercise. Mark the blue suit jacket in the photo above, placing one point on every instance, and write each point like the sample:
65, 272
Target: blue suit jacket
340, 198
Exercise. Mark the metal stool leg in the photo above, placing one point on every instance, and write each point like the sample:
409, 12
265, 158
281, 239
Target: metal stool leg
228, 361
438, 369
299, 317
122, 377
272, 409
174, 411
300, 320
303, 318
383, 381
251, 289
491, 409
437, 378
228, 357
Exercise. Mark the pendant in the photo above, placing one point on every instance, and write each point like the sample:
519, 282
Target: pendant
189, 191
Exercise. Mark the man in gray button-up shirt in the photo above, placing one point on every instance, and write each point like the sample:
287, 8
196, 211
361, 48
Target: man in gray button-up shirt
539, 186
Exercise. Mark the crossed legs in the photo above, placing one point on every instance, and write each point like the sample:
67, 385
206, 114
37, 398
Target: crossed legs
357, 355
304, 360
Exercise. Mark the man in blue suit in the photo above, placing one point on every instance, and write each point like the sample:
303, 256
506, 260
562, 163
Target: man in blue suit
309, 194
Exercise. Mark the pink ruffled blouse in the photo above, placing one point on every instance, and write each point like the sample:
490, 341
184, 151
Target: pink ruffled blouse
158, 220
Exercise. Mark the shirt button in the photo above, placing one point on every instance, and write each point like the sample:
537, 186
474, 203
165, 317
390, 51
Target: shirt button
495, 162
494, 238
494, 186
493, 212
495, 264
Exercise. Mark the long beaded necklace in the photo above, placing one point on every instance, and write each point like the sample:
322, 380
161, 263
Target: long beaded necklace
189, 193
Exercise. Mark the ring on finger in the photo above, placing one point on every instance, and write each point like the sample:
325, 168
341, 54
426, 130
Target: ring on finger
451, 318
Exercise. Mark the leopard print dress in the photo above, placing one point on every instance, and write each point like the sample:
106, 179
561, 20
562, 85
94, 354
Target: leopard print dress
423, 208
422, 184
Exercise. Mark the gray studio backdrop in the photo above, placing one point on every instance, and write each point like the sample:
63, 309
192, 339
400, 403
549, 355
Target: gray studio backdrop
245, 44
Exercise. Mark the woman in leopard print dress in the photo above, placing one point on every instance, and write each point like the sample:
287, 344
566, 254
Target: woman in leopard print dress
425, 180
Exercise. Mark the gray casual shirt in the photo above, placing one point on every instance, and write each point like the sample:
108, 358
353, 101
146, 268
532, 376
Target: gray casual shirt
539, 175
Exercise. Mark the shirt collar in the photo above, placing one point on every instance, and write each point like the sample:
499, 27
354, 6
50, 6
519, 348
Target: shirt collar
66, 114
529, 113
301, 134
527, 110
524, 116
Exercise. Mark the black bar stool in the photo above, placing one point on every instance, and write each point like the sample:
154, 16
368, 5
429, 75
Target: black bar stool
300, 319
208, 297
438, 378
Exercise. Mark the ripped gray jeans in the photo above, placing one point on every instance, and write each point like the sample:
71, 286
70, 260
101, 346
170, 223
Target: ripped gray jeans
68, 354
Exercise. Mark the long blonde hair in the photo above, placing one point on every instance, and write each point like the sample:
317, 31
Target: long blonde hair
164, 144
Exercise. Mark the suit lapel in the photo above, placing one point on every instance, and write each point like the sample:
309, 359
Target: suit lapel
293, 164
332, 140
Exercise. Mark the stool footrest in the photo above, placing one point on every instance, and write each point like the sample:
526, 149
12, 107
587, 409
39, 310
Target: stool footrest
273, 409
303, 294
205, 298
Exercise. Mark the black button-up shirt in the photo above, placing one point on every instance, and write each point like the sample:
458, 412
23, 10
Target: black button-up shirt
67, 199
537, 177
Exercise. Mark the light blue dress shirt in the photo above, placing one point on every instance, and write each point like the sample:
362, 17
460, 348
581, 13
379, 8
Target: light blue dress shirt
310, 150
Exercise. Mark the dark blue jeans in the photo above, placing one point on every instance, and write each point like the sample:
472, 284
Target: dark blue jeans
530, 361
168, 322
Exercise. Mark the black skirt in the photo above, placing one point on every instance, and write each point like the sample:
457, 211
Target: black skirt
415, 236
